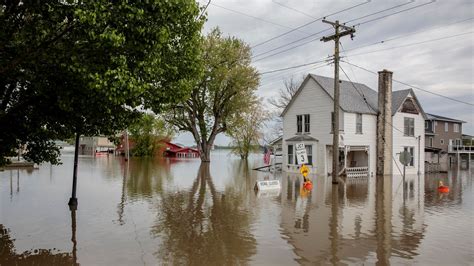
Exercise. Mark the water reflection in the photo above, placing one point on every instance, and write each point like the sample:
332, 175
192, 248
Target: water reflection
37, 256
180, 212
204, 226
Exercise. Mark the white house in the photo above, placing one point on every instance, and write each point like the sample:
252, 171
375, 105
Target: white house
308, 119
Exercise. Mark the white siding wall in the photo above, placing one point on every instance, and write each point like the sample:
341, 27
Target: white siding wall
400, 141
312, 100
367, 138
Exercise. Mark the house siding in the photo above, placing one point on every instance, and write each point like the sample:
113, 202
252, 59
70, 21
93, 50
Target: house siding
312, 100
400, 141
367, 138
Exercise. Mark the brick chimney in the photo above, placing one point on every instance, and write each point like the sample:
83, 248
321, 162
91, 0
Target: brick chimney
384, 124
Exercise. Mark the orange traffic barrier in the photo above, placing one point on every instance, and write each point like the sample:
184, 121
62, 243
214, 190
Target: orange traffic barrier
442, 188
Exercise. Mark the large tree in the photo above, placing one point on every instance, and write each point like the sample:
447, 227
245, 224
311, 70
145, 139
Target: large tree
84, 67
224, 89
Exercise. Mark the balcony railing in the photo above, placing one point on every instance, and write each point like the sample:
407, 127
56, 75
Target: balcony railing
460, 148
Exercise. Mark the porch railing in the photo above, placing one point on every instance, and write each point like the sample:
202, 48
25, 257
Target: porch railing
357, 171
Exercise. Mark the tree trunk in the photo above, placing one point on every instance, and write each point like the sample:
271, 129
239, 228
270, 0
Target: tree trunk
205, 153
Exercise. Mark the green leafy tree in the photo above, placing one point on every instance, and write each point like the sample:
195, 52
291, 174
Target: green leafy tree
246, 128
227, 84
84, 67
147, 133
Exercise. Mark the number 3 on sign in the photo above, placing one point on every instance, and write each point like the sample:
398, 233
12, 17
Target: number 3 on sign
302, 157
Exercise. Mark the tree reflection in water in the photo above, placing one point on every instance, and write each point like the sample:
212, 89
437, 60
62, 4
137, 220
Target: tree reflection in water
9, 256
204, 226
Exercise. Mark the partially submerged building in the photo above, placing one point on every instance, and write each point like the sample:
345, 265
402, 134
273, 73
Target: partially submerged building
308, 118
444, 147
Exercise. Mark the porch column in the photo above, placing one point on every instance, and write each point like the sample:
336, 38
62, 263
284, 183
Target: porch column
345, 157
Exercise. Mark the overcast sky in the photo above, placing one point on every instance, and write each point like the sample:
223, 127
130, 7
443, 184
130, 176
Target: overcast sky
430, 47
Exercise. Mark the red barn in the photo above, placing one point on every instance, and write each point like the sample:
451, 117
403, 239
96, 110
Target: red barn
177, 151
166, 149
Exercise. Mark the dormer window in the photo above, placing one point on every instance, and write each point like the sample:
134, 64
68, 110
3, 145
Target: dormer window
409, 107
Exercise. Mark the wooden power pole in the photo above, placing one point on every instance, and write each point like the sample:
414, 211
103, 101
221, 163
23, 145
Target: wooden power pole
335, 140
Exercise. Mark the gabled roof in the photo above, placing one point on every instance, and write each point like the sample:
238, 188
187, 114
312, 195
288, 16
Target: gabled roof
273, 142
443, 118
351, 99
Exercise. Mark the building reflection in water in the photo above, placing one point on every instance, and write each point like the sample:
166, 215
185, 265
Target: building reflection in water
360, 220
204, 226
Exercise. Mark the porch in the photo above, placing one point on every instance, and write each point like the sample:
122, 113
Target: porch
357, 161
353, 161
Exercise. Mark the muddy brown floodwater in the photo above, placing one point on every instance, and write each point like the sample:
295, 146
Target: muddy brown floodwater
179, 212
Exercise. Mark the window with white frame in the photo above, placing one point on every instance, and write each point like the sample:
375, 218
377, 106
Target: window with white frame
409, 126
446, 127
299, 123
309, 152
307, 124
303, 123
411, 150
456, 128
441, 141
290, 154
358, 123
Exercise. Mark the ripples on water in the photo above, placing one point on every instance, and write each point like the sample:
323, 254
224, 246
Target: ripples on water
158, 211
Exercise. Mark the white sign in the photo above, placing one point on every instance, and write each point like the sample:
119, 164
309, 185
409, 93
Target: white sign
267, 185
300, 147
301, 156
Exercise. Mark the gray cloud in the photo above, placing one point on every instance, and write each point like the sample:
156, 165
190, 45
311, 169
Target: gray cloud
444, 66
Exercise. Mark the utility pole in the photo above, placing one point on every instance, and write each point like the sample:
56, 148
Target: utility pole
335, 138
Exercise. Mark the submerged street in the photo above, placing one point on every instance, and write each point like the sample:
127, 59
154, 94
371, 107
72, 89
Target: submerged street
151, 211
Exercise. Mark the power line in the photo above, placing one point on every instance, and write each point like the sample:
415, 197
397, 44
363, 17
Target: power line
389, 48
409, 34
409, 85
294, 9
287, 72
257, 18
312, 40
272, 81
366, 102
398, 12
410, 44
380, 11
279, 47
390, 124
292, 67
306, 24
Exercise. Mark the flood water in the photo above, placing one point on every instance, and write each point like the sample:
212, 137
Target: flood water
179, 212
